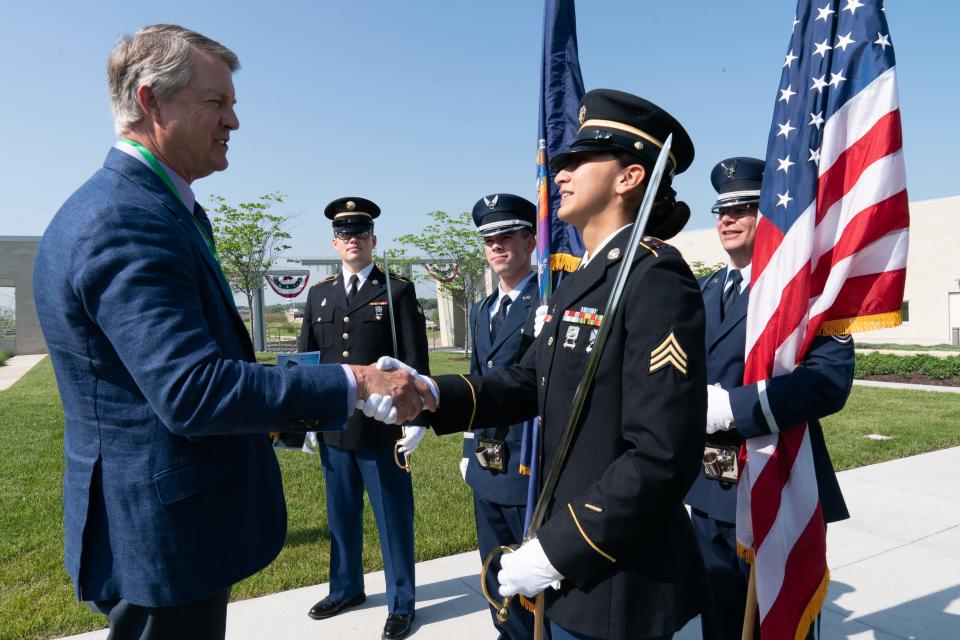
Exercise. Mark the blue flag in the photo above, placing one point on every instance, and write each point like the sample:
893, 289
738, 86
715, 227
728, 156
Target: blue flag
559, 246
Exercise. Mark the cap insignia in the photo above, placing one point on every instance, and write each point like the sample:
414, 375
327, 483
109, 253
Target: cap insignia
638, 145
351, 205
729, 171
491, 202
582, 115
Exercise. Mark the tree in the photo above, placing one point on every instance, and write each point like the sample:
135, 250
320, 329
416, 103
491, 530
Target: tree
700, 269
249, 240
457, 258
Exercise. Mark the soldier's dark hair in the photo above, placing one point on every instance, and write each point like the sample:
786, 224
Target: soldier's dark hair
668, 215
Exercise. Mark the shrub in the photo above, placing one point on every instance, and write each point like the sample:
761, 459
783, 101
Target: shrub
872, 364
4, 356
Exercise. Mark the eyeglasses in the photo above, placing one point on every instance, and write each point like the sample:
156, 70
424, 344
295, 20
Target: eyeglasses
734, 212
344, 236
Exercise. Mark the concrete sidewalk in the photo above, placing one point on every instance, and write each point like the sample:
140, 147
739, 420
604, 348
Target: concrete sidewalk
895, 569
16, 367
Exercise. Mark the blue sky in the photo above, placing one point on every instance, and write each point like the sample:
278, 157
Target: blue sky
430, 105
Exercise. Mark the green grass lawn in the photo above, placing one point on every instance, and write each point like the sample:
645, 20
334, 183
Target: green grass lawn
36, 597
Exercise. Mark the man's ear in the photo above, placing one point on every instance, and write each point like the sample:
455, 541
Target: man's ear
374, 236
531, 242
148, 102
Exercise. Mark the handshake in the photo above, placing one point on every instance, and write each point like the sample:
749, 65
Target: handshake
393, 392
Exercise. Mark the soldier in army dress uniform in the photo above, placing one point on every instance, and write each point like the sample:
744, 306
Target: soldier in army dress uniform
817, 387
502, 326
347, 320
616, 556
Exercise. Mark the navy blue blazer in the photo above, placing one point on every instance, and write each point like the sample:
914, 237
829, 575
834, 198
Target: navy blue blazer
171, 490
516, 334
816, 388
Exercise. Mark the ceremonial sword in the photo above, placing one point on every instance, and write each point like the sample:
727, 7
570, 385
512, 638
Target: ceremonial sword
580, 396
396, 354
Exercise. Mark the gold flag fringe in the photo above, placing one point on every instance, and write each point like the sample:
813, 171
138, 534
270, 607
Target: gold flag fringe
813, 607
526, 603
524, 470
564, 262
861, 323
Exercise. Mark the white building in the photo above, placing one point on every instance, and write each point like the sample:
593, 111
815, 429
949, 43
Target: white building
932, 295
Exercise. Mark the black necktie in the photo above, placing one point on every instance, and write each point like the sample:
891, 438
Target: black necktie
732, 293
204, 220
352, 289
500, 316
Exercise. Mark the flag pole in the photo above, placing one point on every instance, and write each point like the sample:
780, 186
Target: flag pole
750, 611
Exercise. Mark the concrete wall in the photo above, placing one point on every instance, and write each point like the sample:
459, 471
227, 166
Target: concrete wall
933, 272
16, 270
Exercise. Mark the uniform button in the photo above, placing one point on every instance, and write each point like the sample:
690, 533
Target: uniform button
543, 381
346, 318
550, 341
489, 364
345, 335
345, 354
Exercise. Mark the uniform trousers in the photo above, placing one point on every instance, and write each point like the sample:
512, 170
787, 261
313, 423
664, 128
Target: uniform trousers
204, 619
346, 473
559, 633
729, 577
501, 524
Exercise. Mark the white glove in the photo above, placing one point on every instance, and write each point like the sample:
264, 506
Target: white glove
527, 571
464, 463
719, 413
379, 408
538, 318
386, 363
411, 439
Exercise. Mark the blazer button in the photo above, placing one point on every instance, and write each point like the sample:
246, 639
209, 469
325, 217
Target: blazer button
345, 335
550, 341
489, 364
543, 381
346, 318
345, 354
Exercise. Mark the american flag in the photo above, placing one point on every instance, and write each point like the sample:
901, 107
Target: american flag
829, 258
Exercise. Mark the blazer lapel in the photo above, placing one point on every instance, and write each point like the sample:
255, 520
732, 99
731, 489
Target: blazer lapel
373, 287
712, 295
482, 333
146, 179
736, 315
516, 315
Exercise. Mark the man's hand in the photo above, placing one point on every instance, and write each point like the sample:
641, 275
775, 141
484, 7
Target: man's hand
719, 413
397, 390
411, 439
386, 363
527, 571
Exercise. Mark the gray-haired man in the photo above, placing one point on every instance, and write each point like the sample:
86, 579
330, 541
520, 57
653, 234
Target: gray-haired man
171, 491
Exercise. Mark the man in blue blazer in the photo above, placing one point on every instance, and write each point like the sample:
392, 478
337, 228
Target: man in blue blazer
816, 388
172, 491
502, 328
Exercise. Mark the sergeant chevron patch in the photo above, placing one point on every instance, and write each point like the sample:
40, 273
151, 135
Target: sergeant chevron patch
669, 353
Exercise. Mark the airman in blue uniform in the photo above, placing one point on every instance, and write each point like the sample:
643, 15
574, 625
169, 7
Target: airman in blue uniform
817, 387
502, 328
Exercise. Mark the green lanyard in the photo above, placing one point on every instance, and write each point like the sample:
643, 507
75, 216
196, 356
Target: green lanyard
162, 173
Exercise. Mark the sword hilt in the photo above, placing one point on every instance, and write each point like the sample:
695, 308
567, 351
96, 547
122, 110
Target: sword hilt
503, 606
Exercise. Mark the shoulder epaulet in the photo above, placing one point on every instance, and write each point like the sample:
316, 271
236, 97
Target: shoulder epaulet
400, 278
653, 245
330, 278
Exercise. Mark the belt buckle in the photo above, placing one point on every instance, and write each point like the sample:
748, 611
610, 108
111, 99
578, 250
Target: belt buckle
721, 463
490, 454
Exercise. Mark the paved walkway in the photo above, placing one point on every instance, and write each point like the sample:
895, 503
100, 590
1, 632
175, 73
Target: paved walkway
907, 386
16, 367
895, 570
